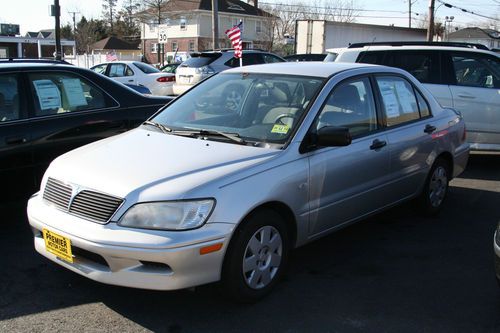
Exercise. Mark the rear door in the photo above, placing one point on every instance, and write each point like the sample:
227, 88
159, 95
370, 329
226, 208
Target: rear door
476, 92
409, 132
16, 154
69, 111
347, 183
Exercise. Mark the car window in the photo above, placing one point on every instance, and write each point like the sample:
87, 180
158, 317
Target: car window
371, 57
145, 68
398, 98
117, 70
259, 107
350, 105
101, 69
55, 93
9, 98
474, 70
200, 59
248, 59
129, 71
425, 111
270, 58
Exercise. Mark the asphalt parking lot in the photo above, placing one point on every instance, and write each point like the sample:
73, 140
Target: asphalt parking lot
396, 272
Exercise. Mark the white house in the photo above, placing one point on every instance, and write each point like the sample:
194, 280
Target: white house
189, 27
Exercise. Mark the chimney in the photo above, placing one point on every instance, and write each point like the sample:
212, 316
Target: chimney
255, 3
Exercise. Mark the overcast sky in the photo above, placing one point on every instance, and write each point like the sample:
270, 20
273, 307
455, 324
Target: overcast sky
33, 15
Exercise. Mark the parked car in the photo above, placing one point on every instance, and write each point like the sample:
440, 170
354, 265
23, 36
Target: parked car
47, 109
170, 68
139, 74
201, 65
459, 75
306, 57
208, 190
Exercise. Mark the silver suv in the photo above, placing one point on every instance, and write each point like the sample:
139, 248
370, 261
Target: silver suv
204, 64
463, 76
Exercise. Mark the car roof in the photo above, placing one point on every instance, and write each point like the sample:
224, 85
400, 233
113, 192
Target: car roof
23, 64
310, 68
408, 47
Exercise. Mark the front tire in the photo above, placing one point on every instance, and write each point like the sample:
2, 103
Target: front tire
257, 256
435, 189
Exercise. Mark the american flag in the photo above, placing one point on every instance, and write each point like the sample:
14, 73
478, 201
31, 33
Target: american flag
111, 56
234, 34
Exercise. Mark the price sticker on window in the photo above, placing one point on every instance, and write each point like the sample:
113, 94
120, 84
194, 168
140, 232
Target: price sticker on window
280, 129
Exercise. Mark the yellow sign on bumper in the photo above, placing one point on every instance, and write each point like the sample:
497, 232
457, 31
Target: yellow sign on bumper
58, 245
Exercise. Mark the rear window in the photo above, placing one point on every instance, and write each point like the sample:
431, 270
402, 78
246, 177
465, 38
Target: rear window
148, 69
200, 60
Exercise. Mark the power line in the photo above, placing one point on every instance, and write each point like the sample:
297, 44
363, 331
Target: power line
467, 11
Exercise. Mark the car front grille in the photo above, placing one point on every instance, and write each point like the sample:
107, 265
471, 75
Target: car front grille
88, 204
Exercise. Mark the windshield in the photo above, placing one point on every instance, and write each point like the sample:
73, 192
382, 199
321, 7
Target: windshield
259, 108
148, 69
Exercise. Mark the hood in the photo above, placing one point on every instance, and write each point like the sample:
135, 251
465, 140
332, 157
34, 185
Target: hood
141, 160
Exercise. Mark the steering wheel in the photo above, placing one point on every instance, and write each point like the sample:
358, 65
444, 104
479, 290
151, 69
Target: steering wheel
284, 115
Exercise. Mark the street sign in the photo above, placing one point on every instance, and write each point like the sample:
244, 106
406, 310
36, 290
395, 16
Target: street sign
162, 34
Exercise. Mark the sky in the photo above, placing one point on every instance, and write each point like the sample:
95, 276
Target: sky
33, 15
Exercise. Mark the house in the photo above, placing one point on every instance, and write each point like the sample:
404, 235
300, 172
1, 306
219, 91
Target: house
188, 27
40, 44
487, 37
124, 50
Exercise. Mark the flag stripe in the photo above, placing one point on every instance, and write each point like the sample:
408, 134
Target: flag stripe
234, 35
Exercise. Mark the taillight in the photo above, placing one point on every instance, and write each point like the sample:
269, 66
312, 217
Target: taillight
166, 79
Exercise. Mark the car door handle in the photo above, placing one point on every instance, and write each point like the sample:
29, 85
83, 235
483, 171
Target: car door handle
130, 80
15, 140
429, 129
466, 96
377, 144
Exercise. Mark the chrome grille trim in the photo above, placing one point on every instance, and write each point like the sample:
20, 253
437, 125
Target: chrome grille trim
57, 193
88, 204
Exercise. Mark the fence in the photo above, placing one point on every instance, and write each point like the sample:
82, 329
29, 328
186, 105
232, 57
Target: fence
89, 60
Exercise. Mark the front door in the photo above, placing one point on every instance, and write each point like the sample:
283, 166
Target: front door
347, 183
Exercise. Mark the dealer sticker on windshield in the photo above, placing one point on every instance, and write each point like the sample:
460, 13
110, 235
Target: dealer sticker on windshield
58, 245
280, 129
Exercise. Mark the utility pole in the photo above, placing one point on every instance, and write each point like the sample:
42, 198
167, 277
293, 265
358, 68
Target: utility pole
57, 12
215, 24
74, 20
409, 13
430, 29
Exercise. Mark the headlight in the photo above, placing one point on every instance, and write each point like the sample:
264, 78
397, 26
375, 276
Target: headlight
168, 215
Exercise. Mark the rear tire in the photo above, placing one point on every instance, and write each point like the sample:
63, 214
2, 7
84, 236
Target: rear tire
435, 189
257, 257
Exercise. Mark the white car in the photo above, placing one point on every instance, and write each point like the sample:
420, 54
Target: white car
140, 74
462, 76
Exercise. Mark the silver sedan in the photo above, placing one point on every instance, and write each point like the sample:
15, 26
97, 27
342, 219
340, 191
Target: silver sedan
216, 188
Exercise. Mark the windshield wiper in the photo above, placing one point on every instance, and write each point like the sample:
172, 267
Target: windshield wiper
235, 137
162, 128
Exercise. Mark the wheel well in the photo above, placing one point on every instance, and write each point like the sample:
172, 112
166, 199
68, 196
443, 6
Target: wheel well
284, 211
449, 159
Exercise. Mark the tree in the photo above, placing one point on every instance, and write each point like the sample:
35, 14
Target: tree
67, 31
89, 32
108, 12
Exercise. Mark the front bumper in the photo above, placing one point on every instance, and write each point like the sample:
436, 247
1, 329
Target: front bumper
157, 260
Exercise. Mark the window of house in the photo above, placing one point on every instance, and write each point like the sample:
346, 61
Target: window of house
152, 27
174, 46
183, 23
258, 26
56, 93
398, 98
154, 47
191, 46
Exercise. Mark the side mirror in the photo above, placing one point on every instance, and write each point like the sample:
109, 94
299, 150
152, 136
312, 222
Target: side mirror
333, 136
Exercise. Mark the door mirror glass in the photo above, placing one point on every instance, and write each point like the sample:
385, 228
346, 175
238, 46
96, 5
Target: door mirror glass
333, 136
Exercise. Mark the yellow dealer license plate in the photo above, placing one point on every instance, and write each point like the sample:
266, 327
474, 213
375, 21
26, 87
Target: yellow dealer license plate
58, 245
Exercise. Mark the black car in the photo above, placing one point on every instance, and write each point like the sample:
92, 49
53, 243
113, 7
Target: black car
47, 109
